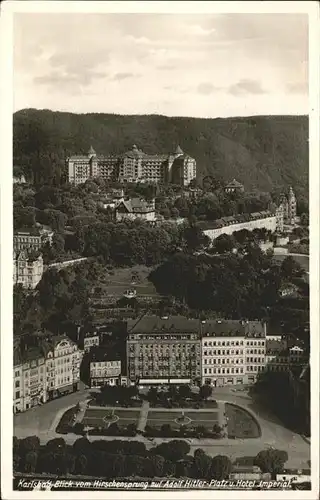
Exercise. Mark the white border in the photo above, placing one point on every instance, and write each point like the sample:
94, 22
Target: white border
6, 106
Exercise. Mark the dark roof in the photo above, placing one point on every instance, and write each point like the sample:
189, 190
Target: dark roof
136, 205
103, 354
232, 328
32, 231
234, 183
181, 324
233, 219
155, 324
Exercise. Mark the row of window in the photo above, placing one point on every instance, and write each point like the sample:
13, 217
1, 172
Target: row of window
214, 343
223, 370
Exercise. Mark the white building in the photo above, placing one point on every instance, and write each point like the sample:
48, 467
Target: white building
229, 225
45, 372
233, 352
135, 208
27, 269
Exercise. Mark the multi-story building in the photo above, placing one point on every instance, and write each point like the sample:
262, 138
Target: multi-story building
282, 358
229, 225
91, 339
135, 208
234, 187
105, 368
233, 352
31, 238
288, 206
163, 350
29, 378
27, 269
133, 166
42, 373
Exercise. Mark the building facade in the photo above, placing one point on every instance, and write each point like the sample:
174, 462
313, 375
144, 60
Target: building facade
163, 350
135, 208
229, 225
91, 340
105, 369
234, 187
133, 166
31, 239
233, 352
27, 270
45, 372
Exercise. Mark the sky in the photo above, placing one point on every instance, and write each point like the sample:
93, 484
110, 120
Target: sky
212, 65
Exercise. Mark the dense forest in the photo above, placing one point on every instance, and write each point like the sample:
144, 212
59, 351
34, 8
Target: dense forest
261, 152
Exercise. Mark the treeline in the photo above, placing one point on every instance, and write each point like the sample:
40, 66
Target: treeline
235, 286
287, 396
261, 152
60, 304
112, 459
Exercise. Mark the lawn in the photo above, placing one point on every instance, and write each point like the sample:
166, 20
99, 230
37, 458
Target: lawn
241, 424
115, 282
158, 418
94, 417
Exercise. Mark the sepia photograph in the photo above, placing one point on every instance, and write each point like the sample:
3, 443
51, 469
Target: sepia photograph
163, 314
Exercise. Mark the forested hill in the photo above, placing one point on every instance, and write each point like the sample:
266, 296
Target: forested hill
262, 152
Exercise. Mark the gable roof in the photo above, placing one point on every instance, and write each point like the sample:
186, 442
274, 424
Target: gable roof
234, 183
136, 205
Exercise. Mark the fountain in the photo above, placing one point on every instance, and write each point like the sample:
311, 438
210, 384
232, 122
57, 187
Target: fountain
183, 420
110, 418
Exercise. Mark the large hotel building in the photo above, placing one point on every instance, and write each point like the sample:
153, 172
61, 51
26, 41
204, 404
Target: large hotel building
133, 166
176, 350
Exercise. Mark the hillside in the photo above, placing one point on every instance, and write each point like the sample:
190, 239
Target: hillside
262, 152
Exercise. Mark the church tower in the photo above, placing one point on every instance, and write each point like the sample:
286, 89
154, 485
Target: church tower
292, 206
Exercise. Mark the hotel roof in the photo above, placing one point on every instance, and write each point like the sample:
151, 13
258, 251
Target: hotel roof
165, 324
205, 328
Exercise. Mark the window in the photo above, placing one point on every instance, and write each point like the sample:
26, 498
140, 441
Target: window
17, 384
17, 394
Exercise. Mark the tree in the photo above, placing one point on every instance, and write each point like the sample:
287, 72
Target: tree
30, 443
56, 445
81, 464
304, 219
290, 268
174, 213
173, 450
153, 394
30, 461
158, 464
166, 430
220, 467
272, 461
224, 243
202, 464
185, 392
205, 391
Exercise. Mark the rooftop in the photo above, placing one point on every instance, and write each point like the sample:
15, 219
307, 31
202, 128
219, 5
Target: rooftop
28, 231
232, 328
205, 328
136, 205
234, 183
156, 324
233, 219
103, 354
